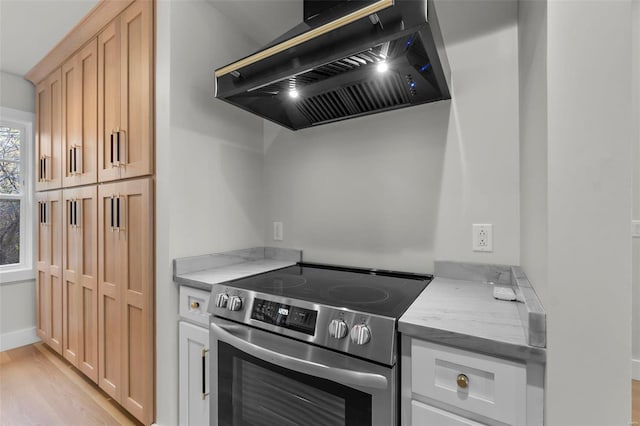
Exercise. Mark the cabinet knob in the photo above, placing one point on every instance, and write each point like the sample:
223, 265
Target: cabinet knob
463, 381
195, 305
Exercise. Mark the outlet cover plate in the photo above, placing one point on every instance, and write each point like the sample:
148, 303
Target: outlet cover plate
278, 231
635, 228
482, 237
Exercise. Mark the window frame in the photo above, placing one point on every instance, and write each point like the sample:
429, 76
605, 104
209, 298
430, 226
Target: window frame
25, 269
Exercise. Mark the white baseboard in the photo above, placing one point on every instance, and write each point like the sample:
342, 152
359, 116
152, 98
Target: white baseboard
635, 369
18, 338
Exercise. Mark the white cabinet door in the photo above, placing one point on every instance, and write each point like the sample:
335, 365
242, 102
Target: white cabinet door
426, 415
194, 375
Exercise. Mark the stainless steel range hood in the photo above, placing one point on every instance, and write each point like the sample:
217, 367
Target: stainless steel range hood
353, 58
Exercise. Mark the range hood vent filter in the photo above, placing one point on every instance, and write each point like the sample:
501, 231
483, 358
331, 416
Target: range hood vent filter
355, 100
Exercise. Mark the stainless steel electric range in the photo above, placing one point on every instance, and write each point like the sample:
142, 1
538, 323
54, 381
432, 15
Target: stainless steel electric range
308, 345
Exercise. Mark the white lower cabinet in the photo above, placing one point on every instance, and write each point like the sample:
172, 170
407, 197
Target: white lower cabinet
194, 369
426, 415
445, 386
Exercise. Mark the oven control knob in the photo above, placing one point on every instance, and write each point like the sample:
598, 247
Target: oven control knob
360, 334
221, 300
235, 303
338, 329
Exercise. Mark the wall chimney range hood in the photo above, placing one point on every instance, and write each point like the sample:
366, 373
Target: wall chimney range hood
347, 59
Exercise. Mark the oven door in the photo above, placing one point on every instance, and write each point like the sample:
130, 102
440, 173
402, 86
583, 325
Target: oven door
263, 379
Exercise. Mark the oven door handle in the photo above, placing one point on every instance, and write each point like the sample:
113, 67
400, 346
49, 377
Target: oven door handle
339, 375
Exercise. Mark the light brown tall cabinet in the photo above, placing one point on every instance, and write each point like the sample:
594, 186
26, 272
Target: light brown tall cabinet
95, 193
49, 269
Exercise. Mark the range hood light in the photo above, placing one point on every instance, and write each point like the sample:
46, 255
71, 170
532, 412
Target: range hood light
293, 93
382, 67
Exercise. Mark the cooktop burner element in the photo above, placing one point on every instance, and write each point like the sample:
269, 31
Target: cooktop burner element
360, 295
350, 310
280, 282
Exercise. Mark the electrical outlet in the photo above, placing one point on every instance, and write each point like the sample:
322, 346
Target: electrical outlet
277, 231
482, 237
635, 228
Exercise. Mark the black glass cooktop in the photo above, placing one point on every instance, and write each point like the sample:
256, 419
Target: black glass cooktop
385, 293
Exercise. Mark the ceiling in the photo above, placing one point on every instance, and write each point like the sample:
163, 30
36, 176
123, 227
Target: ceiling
29, 29
262, 20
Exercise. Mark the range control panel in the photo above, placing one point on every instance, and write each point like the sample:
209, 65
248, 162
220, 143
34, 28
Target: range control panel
287, 316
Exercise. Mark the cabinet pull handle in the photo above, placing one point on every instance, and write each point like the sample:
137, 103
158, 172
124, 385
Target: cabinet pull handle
70, 212
46, 213
111, 136
75, 160
118, 213
122, 135
111, 217
203, 354
195, 305
463, 381
78, 208
77, 153
118, 147
71, 161
41, 214
75, 213
40, 170
44, 173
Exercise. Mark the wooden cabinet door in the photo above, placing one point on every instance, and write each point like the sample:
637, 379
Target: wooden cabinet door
43, 259
80, 117
126, 294
49, 132
80, 289
48, 267
137, 97
193, 375
109, 88
125, 94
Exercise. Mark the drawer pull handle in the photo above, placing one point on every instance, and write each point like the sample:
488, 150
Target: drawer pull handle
195, 305
463, 381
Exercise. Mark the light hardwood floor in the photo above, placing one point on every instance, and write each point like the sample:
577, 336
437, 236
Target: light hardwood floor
635, 411
37, 387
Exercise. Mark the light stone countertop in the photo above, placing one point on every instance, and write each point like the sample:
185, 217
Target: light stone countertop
204, 271
464, 314
205, 279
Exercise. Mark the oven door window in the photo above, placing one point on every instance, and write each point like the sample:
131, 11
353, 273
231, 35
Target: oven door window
253, 392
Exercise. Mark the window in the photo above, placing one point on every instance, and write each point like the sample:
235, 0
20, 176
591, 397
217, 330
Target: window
16, 196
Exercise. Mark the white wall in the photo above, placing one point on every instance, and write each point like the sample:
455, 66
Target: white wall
398, 190
636, 188
208, 165
17, 314
16, 92
587, 182
532, 36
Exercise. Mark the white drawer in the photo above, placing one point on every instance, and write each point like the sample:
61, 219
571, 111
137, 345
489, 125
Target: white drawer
496, 387
426, 415
194, 304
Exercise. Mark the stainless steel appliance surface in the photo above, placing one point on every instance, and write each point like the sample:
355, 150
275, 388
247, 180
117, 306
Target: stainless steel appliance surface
348, 58
308, 344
